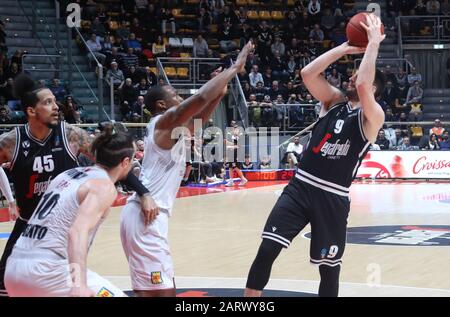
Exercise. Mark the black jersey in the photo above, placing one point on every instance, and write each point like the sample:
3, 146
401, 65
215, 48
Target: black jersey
35, 163
335, 150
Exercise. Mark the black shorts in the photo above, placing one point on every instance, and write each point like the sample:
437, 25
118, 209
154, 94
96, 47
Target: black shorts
300, 204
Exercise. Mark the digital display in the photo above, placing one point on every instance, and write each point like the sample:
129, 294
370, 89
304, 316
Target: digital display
270, 175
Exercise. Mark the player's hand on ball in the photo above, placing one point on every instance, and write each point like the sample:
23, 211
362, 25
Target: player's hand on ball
353, 50
373, 29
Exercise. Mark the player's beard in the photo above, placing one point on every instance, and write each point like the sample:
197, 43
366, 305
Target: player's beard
352, 95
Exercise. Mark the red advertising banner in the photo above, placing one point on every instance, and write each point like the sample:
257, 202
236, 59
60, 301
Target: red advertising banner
405, 164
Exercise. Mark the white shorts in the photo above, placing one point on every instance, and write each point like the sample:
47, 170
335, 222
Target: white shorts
147, 249
45, 274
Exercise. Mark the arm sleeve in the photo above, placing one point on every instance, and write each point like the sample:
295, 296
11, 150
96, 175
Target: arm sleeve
4, 186
133, 182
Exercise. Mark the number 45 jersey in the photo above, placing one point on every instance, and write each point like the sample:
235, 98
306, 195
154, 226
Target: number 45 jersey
335, 150
35, 163
49, 226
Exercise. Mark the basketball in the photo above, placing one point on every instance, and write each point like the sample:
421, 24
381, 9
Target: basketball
356, 34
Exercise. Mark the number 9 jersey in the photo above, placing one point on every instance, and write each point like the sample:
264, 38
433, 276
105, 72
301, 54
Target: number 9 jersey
35, 163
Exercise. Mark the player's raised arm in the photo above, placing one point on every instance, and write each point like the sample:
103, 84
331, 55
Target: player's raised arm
373, 113
207, 94
317, 85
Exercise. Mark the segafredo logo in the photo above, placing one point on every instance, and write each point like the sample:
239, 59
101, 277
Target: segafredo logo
407, 235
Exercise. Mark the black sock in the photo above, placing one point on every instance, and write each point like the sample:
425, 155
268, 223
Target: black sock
329, 281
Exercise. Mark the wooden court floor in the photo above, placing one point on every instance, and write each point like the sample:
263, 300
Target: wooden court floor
214, 238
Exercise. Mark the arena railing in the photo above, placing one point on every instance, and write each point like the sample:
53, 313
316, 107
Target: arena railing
395, 64
424, 29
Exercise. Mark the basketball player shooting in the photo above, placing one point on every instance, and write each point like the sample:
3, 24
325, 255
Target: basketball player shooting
146, 245
319, 193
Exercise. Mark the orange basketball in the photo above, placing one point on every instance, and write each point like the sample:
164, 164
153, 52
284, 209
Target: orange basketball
356, 34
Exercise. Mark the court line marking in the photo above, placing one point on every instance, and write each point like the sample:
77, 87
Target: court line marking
187, 279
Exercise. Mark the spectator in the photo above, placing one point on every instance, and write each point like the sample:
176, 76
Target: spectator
138, 107
265, 163
150, 76
294, 151
292, 66
255, 76
433, 143
133, 43
437, 129
433, 7
278, 67
382, 142
142, 88
200, 47
247, 165
159, 48
260, 91
390, 95
140, 150
167, 18
57, 89
226, 38
95, 47
445, 143
128, 93
4, 116
397, 140
445, 7
414, 76
204, 21
334, 78
415, 94
317, 34
328, 20
278, 46
401, 78
115, 75
13, 71
406, 146
130, 59
254, 111
314, 10
276, 90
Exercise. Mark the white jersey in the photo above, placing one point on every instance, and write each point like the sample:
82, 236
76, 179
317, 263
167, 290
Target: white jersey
49, 226
162, 170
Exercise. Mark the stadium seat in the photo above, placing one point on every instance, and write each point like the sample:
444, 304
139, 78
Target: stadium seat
170, 72
253, 15
183, 72
254, 3
187, 42
277, 15
175, 42
264, 15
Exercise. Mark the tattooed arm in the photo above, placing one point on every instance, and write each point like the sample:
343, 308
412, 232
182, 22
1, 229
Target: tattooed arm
7, 146
79, 141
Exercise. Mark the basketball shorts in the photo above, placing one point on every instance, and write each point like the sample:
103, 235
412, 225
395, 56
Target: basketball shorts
301, 204
147, 249
46, 274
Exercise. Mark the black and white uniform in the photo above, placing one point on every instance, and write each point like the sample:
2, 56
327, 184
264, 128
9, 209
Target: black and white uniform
39, 263
319, 192
34, 164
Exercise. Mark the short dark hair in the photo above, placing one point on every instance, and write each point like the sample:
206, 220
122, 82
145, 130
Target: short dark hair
380, 82
153, 95
109, 148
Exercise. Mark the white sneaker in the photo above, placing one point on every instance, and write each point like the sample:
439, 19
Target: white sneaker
243, 182
230, 183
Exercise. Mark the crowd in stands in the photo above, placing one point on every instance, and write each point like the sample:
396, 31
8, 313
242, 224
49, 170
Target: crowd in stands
127, 37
